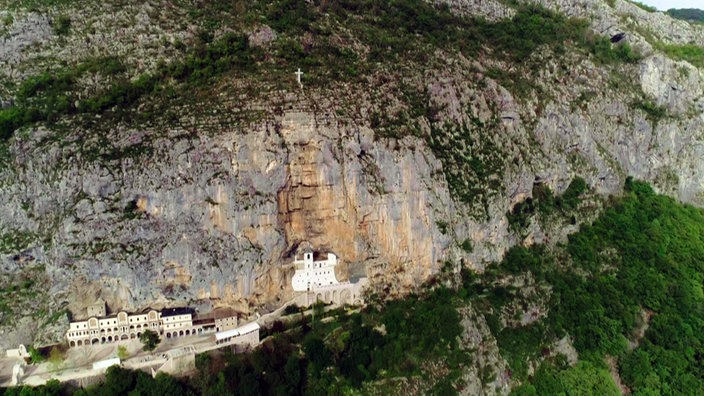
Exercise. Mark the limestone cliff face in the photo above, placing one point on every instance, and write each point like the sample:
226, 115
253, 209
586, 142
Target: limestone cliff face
211, 221
346, 193
188, 217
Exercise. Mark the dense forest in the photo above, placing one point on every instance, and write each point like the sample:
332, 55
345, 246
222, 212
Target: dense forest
687, 14
627, 288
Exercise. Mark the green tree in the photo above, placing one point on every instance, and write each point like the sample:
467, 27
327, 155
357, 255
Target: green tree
150, 340
122, 352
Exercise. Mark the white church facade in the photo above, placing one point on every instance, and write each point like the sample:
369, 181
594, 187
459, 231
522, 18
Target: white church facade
312, 274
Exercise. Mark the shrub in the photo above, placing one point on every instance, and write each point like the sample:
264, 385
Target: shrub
10, 119
55, 357
292, 309
467, 245
34, 355
520, 214
652, 111
571, 196
61, 25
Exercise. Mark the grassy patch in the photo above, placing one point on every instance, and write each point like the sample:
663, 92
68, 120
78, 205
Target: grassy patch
15, 240
691, 53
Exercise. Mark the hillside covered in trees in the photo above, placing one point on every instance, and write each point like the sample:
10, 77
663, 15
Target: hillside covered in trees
687, 14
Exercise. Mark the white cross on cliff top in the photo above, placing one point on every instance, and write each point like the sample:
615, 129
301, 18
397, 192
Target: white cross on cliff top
298, 74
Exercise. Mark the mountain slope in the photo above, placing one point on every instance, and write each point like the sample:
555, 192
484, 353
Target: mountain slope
162, 153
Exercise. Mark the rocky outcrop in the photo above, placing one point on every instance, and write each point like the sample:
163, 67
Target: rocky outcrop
346, 193
492, 10
487, 373
30, 29
624, 16
140, 33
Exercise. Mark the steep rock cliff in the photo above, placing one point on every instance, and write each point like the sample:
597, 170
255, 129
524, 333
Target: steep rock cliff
205, 209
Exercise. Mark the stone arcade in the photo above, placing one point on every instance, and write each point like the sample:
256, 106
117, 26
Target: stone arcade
168, 323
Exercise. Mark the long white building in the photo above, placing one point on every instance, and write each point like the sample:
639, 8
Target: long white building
167, 323
247, 334
112, 328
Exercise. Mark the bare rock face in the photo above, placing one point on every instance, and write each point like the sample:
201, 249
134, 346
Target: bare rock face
675, 85
210, 221
492, 10
25, 30
346, 193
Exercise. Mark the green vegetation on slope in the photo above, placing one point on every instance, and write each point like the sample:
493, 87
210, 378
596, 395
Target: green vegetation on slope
469, 153
331, 356
546, 204
408, 30
49, 96
337, 356
15, 240
691, 53
583, 379
661, 268
687, 14
643, 6
640, 265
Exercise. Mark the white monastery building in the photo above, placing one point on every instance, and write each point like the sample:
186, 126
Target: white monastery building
113, 328
312, 274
